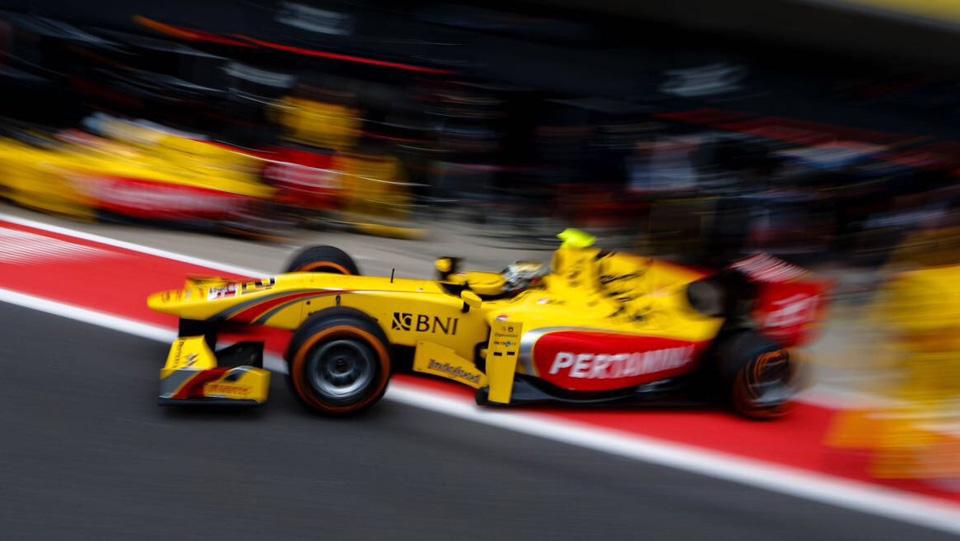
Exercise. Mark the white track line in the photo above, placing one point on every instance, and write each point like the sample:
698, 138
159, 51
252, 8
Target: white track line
85, 315
132, 246
858, 496
112, 322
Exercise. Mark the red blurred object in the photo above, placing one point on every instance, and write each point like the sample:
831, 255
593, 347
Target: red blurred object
789, 312
304, 179
145, 199
789, 303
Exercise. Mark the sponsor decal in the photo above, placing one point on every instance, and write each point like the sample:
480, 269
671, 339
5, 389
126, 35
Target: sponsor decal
454, 371
191, 360
589, 360
258, 285
178, 351
234, 289
226, 389
791, 311
229, 290
620, 365
402, 321
405, 321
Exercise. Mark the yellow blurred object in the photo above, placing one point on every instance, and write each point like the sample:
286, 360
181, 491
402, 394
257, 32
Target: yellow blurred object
376, 198
908, 441
928, 248
390, 231
855, 428
31, 176
916, 436
76, 178
575, 238
923, 308
373, 185
319, 124
943, 10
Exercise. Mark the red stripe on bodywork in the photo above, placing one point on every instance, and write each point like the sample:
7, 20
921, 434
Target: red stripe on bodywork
194, 387
251, 314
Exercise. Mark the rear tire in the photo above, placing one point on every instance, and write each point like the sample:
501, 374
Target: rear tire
323, 259
339, 364
757, 374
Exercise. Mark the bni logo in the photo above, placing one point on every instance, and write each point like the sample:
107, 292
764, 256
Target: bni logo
402, 321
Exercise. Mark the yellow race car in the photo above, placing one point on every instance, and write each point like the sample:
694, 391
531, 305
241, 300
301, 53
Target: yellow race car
592, 327
165, 178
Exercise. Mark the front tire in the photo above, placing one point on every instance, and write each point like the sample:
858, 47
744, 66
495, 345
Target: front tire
339, 364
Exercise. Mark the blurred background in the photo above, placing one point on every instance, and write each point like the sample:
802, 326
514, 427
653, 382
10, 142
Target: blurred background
687, 128
824, 132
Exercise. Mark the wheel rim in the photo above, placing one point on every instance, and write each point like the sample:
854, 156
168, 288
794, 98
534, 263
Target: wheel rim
766, 384
341, 369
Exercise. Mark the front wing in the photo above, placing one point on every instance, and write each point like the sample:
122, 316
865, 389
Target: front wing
196, 375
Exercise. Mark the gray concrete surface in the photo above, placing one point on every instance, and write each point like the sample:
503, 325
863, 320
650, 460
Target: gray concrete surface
85, 453
376, 255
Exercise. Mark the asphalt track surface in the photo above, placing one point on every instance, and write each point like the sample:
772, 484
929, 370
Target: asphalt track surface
87, 454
